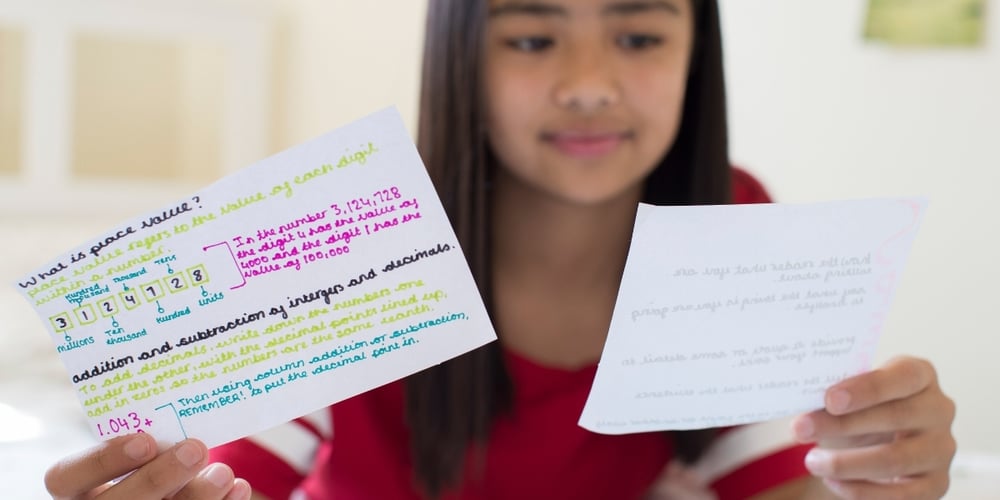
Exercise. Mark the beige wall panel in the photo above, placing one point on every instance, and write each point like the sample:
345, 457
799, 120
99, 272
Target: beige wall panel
146, 109
11, 97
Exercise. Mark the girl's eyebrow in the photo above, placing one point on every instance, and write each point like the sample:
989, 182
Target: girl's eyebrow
626, 7
638, 6
529, 8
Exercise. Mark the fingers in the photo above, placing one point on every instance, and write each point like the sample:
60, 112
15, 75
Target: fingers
215, 482
927, 410
920, 488
78, 475
898, 379
916, 456
892, 432
165, 474
241, 491
679, 482
174, 473
671, 491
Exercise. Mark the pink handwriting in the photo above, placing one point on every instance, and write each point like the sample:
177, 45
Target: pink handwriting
323, 235
132, 422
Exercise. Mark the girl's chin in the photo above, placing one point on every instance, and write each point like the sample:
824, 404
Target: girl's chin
593, 196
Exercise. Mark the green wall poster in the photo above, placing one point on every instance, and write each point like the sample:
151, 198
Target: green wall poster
926, 23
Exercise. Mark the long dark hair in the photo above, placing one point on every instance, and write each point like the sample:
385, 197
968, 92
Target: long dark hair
451, 407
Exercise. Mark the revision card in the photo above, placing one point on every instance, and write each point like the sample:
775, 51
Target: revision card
307, 278
735, 314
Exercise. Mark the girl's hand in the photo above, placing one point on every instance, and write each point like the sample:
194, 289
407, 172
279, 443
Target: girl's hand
883, 434
678, 482
178, 473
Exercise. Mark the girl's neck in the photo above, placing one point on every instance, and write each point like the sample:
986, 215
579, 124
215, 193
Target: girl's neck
543, 242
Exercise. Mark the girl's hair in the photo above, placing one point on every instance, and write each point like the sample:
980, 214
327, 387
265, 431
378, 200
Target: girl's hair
451, 407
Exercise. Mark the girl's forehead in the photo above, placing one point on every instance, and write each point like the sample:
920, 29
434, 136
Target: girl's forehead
568, 8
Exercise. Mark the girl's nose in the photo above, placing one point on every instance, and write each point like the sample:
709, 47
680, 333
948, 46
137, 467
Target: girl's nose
587, 83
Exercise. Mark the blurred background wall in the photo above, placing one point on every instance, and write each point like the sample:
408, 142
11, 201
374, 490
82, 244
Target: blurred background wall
821, 114
110, 108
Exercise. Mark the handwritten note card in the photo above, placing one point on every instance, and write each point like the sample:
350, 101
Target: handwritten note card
736, 314
309, 277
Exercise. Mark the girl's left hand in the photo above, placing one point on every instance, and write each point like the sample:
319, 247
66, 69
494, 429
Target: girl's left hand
883, 434
678, 482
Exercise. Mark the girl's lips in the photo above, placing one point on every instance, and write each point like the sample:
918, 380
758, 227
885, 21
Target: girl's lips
585, 144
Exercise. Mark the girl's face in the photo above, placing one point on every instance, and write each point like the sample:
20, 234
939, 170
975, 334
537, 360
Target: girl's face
584, 97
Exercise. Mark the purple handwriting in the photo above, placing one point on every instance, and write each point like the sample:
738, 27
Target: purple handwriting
123, 425
321, 235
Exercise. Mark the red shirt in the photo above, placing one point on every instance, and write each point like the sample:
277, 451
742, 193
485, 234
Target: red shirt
359, 448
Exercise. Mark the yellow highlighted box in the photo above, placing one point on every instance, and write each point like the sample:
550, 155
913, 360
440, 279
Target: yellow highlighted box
108, 306
130, 298
176, 283
85, 314
61, 322
198, 275
152, 291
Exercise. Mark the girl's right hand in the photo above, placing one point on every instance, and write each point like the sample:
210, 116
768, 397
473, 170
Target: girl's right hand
179, 473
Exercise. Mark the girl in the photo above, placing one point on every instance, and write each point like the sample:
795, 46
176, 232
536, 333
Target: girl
543, 124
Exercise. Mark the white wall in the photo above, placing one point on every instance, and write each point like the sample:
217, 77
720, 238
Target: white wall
346, 59
820, 114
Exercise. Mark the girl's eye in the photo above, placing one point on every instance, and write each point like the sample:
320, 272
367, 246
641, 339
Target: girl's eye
639, 42
530, 43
